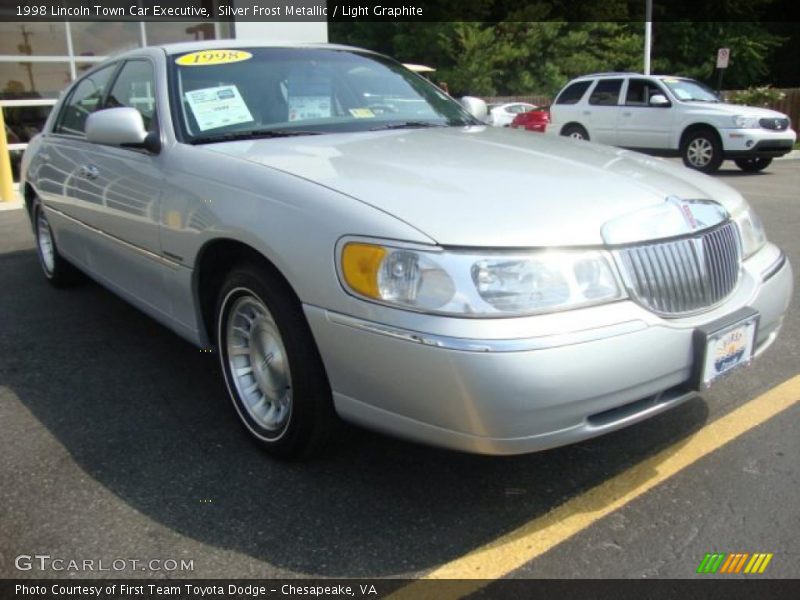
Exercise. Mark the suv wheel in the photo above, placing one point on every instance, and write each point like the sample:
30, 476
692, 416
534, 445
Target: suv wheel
753, 165
271, 365
701, 150
576, 132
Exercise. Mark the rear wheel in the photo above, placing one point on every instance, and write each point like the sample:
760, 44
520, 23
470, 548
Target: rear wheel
55, 267
701, 150
753, 165
271, 365
576, 132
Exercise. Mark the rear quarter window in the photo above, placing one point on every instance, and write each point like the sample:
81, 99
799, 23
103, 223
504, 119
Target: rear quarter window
573, 93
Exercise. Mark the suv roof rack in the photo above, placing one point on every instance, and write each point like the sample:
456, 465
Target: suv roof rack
609, 73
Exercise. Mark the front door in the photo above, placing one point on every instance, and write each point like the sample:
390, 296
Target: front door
641, 125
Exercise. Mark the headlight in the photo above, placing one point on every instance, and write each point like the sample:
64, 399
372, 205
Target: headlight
478, 284
751, 230
743, 122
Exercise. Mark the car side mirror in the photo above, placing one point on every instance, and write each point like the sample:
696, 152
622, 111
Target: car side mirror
475, 106
659, 101
121, 126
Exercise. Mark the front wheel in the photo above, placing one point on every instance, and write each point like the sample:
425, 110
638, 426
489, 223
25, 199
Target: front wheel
753, 165
701, 150
271, 365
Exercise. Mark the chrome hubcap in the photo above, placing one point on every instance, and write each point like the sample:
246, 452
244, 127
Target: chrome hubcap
45, 242
576, 135
258, 363
699, 152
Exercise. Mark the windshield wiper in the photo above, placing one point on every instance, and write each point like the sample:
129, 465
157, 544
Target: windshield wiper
251, 135
407, 125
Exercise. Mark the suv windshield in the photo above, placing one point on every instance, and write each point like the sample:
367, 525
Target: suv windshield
268, 92
689, 90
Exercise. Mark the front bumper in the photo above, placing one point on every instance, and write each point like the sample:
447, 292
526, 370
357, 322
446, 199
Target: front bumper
756, 143
616, 365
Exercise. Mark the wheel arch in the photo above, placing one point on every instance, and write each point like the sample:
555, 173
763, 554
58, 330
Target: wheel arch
574, 124
215, 259
698, 126
28, 195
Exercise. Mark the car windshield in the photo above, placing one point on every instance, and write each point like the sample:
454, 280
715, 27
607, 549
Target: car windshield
221, 95
689, 90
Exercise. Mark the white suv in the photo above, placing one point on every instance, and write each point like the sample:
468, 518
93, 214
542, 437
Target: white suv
670, 116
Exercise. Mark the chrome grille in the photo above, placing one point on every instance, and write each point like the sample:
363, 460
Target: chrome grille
684, 275
778, 124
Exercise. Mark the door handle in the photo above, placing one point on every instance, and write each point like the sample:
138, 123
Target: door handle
89, 171
587, 112
627, 113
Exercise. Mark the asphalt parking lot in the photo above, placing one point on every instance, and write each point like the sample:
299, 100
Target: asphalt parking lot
118, 442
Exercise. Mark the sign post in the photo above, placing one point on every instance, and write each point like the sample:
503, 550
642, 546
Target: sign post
723, 58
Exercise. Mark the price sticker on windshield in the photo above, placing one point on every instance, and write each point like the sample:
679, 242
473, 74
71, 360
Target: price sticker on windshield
212, 57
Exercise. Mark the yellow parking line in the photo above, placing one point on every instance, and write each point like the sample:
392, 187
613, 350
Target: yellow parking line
512, 550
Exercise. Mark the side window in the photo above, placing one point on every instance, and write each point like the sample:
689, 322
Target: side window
640, 91
573, 93
84, 100
135, 88
606, 92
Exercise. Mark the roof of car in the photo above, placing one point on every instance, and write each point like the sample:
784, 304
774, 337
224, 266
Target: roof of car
183, 47
610, 74
630, 74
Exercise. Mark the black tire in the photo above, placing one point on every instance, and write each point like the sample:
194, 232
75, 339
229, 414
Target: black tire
575, 132
283, 360
57, 270
701, 150
753, 165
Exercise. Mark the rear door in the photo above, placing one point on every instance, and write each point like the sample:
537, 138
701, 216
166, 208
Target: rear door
567, 107
641, 125
602, 110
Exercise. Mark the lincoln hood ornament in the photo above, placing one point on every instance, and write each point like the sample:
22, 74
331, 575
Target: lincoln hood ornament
673, 218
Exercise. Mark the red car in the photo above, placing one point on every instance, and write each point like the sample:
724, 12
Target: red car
534, 120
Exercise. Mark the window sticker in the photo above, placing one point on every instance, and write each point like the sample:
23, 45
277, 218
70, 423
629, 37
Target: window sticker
362, 113
212, 57
309, 107
217, 107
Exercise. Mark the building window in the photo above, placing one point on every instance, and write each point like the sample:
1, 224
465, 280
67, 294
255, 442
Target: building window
33, 39
20, 80
104, 39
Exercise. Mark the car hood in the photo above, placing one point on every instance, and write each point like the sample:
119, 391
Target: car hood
724, 108
480, 186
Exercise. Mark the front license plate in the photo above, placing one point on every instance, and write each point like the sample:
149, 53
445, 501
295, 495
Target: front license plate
726, 345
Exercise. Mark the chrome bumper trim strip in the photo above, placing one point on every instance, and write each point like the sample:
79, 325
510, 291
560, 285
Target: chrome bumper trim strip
473, 345
146, 253
770, 271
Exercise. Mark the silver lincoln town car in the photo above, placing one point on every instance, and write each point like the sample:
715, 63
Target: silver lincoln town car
355, 243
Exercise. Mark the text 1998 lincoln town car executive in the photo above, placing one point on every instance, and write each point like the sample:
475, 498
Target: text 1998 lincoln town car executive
355, 242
